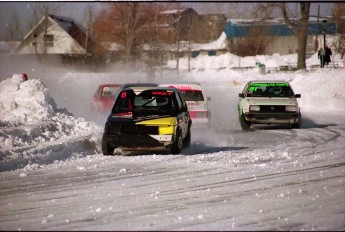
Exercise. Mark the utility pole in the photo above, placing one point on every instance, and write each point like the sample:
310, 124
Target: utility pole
316, 38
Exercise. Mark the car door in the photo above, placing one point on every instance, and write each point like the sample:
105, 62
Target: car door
183, 116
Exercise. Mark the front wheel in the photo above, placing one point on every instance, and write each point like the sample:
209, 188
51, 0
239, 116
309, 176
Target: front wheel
176, 147
245, 125
298, 123
106, 148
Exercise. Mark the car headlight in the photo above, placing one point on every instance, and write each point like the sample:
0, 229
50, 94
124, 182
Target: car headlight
254, 108
290, 108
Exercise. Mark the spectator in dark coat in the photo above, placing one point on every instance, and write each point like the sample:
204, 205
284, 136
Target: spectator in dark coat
328, 53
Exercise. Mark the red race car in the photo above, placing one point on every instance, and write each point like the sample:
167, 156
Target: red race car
104, 97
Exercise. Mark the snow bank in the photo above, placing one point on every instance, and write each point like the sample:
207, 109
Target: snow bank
229, 60
27, 101
34, 132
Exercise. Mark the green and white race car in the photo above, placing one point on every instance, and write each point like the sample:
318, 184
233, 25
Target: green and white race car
268, 102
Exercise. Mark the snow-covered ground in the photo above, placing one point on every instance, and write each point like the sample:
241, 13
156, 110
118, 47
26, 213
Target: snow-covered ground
54, 177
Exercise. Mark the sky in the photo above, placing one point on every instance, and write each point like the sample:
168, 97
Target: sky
76, 10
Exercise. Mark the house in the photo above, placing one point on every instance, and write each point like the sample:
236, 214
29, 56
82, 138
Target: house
191, 29
188, 25
277, 36
55, 35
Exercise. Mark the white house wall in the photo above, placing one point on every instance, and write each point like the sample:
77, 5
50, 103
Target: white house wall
63, 43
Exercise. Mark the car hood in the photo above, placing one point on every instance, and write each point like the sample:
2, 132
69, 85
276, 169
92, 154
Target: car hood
271, 101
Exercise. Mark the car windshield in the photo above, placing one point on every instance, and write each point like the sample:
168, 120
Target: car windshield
148, 102
109, 91
192, 95
269, 90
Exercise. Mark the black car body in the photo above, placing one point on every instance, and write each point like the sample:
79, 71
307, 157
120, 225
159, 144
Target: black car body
147, 117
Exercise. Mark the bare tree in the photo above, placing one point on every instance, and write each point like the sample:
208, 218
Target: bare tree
298, 26
89, 19
254, 43
123, 23
14, 28
339, 42
46, 9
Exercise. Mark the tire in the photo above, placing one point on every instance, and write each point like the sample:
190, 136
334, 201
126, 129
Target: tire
245, 125
298, 124
106, 148
176, 147
187, 140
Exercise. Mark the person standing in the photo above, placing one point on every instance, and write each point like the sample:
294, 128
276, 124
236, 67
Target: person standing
321, 56
328, 53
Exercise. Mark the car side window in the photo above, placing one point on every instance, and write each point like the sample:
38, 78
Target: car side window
246, 89
97, 92
179, 102
182, 103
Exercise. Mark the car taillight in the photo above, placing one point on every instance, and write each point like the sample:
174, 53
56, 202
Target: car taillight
198, 114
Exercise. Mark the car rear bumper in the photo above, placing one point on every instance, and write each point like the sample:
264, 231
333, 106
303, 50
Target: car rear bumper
134, 141
272, 118
200, 123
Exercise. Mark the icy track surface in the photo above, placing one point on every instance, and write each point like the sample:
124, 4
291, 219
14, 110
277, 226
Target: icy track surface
54, 177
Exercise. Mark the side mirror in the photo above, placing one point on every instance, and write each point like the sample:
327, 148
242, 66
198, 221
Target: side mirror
208, 99
241, 95
297, 95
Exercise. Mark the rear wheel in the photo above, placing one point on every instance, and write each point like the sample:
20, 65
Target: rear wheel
187, 140
106, 148
245, 125
176, 147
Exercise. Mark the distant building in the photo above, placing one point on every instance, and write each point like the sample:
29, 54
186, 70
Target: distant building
188, 25
280, 38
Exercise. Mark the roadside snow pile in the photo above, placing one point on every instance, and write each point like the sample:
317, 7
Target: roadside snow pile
229, 61
322, 90
34, 132
24, 102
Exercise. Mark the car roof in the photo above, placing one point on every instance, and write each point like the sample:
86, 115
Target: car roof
268, 81
126, 85
183, 85
142, 88
110, 85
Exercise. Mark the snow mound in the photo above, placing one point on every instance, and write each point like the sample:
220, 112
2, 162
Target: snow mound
27, 101
33, 132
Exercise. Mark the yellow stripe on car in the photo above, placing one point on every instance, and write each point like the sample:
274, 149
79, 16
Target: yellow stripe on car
166, 125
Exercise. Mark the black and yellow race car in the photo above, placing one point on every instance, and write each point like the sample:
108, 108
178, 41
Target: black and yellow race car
148, 117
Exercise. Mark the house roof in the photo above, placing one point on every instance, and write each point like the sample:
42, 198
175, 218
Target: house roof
74, 30
240, 29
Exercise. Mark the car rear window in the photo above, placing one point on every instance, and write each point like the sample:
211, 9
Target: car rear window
192, 95
269, 90
159, 102
109, 91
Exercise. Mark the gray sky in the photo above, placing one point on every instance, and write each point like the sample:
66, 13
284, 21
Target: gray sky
76, 10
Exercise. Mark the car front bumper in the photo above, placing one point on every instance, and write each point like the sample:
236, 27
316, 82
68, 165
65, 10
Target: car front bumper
272, 118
